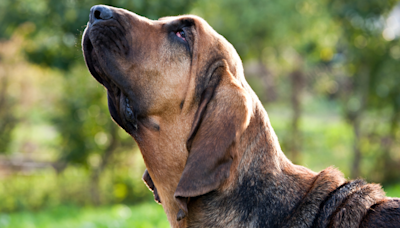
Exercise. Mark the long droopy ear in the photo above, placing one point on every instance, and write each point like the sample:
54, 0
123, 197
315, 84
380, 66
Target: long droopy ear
222, 116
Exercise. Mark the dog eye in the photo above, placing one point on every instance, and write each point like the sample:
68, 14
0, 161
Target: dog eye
181, 34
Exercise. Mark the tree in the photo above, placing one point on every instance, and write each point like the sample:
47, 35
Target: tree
284, 37
56, 26
52, 34
370, 67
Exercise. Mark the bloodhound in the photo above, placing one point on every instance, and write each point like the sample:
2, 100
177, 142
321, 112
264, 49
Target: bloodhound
213, 160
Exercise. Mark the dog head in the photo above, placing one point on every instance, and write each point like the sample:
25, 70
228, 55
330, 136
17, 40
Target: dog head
178, 88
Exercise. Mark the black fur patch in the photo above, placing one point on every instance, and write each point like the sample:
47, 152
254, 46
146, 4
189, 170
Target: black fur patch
258, 201
334, 200
383, 214
273, 200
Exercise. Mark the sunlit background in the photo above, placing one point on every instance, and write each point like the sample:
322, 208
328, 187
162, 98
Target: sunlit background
327, 72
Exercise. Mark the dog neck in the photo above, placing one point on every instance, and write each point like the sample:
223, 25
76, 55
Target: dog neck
265, 188
164, 155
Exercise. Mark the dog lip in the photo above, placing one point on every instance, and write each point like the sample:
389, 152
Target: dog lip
127, 112
88, 50
121, 109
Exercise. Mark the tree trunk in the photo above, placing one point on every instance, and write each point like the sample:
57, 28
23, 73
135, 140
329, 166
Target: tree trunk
95, 176
8, 121
390, 169
355, 111
355, 169
297, 83
267, 79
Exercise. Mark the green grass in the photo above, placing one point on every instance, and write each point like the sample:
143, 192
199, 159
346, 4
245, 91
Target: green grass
145, 215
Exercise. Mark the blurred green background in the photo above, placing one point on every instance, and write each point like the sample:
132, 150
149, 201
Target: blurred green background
327, 72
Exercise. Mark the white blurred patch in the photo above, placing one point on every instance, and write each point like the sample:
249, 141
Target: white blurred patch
392, 28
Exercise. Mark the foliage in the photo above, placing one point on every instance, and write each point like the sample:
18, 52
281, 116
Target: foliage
372, 79
342, 51
278, 34
85, 125
121, 183
52, 110
53, 27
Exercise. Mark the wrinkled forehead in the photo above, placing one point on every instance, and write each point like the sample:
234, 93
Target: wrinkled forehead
188, 20
171, 19
208, 40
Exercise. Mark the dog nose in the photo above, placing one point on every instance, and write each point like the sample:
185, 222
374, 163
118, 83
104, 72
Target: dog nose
100, 12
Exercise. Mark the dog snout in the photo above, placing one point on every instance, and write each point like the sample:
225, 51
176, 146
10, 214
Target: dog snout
100, 12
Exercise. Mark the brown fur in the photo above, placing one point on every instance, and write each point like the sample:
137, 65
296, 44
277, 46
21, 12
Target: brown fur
304, 215
212, 157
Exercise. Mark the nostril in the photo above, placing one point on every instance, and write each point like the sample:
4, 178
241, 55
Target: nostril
97, 14
100, 12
